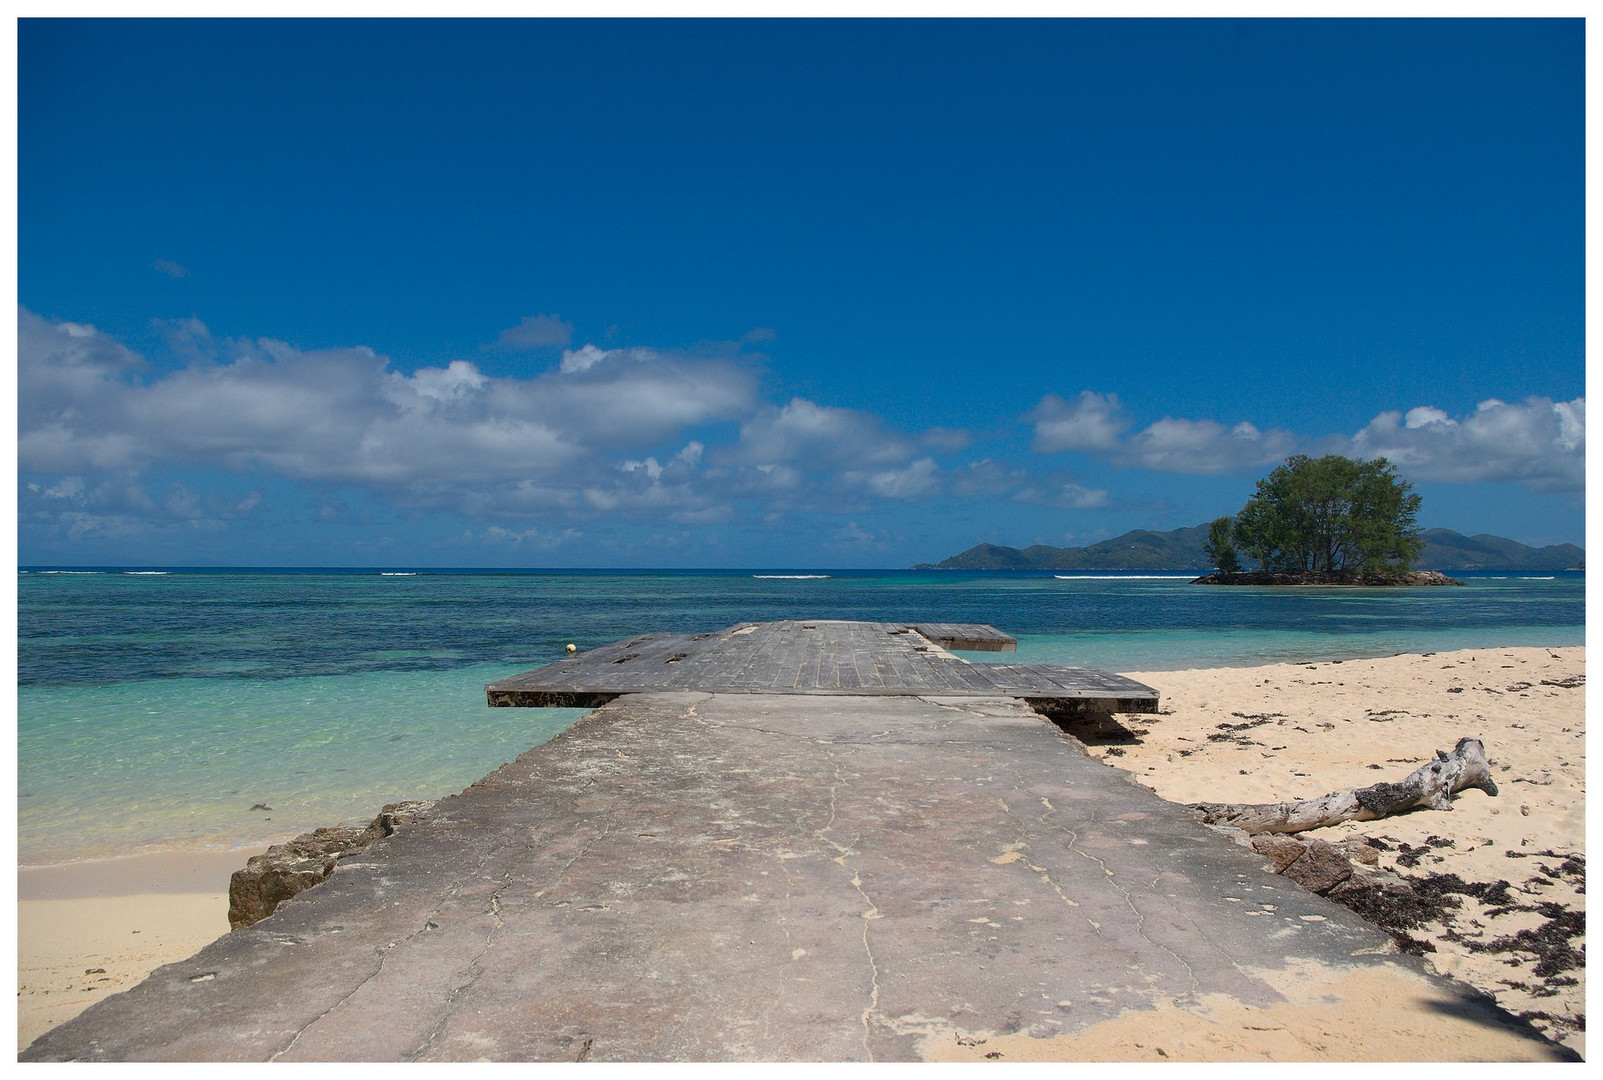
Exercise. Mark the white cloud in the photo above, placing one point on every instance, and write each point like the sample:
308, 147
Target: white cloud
1201, 447
670, 488
854, 535
582, 359
1538, 442
588, 356
107, 505
994, 480
1075, 497
640, 403
1097, 423
639, 433
1092, 422
534, 537
803, 430
917, 480
170, 268
70, 488
831, 459
449, 435
648, 466
116, 527
535, 332
457, 382
61, 365
721, 514
72, 411
188, 339
1420, 417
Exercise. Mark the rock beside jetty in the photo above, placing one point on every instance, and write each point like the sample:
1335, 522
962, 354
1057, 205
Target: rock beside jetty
1330, 577
285, 869
1314, 864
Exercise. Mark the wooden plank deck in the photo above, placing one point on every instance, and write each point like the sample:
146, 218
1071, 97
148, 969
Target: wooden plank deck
828, 657
968, 637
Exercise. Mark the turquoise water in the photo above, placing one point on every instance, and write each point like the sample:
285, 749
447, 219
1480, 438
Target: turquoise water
110, 769
159, 709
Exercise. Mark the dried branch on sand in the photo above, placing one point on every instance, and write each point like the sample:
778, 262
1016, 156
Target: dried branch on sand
1431, 785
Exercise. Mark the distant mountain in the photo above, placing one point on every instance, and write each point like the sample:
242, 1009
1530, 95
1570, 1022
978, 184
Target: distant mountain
1181, 549
1448, 550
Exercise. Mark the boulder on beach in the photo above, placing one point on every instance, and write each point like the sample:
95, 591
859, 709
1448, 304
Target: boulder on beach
284, 870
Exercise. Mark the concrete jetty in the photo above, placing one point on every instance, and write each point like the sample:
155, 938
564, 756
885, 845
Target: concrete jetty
823, 656
690, 875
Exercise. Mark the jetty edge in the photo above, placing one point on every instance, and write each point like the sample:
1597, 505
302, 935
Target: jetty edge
820, 657
690, 875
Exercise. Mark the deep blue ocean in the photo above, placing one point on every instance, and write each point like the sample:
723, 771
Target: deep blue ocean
163, 708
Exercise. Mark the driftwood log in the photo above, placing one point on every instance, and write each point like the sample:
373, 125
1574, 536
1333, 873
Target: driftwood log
1431, 786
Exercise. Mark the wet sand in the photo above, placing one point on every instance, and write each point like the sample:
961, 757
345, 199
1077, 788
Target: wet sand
86, 930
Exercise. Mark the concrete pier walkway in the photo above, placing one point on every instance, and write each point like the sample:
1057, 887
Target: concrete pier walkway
692, 876
820, 656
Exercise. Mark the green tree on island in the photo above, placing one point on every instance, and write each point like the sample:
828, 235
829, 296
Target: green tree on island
1329, 514
1220, 547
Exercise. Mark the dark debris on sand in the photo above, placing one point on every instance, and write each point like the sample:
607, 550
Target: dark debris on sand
1402, 903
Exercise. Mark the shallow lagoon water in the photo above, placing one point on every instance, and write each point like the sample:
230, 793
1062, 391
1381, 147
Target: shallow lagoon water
160, 708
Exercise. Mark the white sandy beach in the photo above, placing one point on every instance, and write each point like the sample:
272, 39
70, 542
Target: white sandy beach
1310, 729
1296, 731
86, 930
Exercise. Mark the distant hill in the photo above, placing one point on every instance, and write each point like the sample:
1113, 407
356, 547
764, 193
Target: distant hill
1181, 549
1139, 550
1448, 550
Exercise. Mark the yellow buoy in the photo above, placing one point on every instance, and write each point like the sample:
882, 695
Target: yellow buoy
572, 648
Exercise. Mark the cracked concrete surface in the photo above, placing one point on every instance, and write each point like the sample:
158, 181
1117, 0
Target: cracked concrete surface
700, 877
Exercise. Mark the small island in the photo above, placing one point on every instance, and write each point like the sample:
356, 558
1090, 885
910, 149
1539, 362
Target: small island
1326, 521
1323, 521
1326, 577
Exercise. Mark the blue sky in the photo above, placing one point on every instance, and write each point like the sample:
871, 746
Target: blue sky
782, 293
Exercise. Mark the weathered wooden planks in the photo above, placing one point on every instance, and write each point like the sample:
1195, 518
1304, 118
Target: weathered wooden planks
969, 637
817, 657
